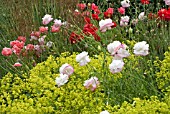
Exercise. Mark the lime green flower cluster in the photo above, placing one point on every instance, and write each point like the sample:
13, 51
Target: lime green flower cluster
37, 91
152, 106
163, 77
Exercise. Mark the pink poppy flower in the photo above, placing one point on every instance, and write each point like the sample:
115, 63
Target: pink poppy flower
117, 49
6, 51
29, 47
66, 69
17, 43
167, 2
43, 29
57, 23
21, 38
16, 50
55, 29
17, 64
121, 10
81, 6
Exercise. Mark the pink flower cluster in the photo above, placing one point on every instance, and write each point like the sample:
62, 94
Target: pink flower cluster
65, 71
119, 51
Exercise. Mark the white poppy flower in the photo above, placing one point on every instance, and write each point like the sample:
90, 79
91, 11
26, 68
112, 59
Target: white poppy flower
142, 16
83, 58
62, 79
116, 66
125, 3
141, 48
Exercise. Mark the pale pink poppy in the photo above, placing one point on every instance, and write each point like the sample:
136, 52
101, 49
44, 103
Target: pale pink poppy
105, 24
141, 48
92, 83
66, 69
47, 19
55, 29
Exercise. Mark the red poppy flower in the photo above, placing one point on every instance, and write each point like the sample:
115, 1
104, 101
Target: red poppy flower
145, 1
90, 29
164, 14
152, 16
74, 38
87, 20
108, 13
95, 17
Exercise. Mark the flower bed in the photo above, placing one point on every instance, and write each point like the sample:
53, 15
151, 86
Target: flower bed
110, 62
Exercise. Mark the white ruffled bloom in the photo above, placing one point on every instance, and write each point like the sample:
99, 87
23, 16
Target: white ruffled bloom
92, 83
46, 19
142, 16
122, 52
125, 3
113, 47
105, 24
118, 50
66, 69
141, 48
83, 58
62, 79
116, 66
49, 44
